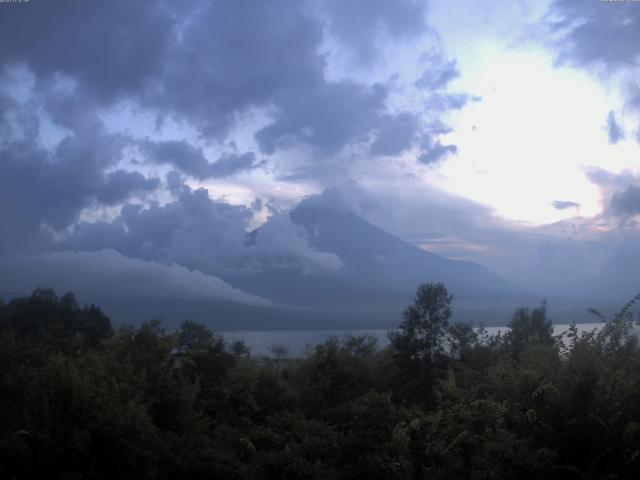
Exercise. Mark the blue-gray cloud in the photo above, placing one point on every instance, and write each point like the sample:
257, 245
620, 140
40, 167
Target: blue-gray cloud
119, 185
193, 231
50, 187
596, 33
620, 193
78, 39
357, 23
208, 62
626, 202
192, 161
601, 36
396, 134
46, 187
615, 131
609, 180
209, 66
202, 234
564, 204
441, 102
41, 188
438, 73
326, 118
434, 152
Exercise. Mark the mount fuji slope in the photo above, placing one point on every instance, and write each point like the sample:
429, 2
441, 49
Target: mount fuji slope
379, 259
378, 277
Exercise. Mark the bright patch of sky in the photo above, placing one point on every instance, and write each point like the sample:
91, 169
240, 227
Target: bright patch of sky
538, 126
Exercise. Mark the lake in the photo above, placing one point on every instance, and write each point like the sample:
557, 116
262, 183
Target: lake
297, 340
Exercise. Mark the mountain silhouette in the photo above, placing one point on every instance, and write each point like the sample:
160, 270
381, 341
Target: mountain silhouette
379, 259
378, 276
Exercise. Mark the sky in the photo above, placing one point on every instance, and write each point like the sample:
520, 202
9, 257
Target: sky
143, 140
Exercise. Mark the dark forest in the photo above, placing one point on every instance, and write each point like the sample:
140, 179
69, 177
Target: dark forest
80, 399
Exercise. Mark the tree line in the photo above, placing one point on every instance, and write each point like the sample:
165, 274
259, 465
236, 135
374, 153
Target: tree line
80, 399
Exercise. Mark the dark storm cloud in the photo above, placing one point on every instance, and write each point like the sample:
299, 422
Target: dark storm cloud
50, 187
609, 180
357, 23
181, 154
626, 202
113, 47
202, 234
440, 102
596, 33
210, 66
564, 205
175, 183
438, 73
602, 36
17, 123
69, 105
192, 161
614, 131
207, 62
242, 54
38, 187
119, 185
620, 193
229, 164
193, 231
237, 54
434, 152
396, 134
327, 118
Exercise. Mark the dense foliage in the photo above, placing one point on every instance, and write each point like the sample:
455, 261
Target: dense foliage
80, 400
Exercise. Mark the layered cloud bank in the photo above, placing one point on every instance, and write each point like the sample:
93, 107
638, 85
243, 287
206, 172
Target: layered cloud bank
108, 274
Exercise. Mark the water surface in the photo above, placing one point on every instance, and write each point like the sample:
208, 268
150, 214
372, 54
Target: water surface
296, 341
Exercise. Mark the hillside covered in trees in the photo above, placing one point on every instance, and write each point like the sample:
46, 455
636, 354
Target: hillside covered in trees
79, 399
